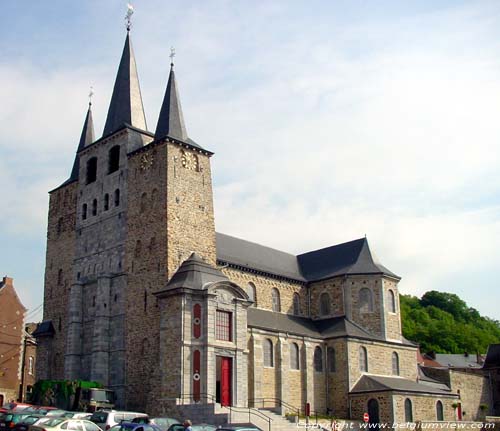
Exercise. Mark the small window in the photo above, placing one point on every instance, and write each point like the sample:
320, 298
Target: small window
59, 277
114, 159
31, 362
294, 357
332, 360
117, 197
318, 359
296, 304
363, 359
144, 202
275, 295
439, 411
154, 198
391, 299
106, 202
94, 207
365, 300
84, 212
268, 353
138, 248
252, 293
223, 328
324, 304
408, 411
395, 364
91, 170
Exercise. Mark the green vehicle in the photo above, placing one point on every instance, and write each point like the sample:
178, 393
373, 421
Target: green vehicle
76, 395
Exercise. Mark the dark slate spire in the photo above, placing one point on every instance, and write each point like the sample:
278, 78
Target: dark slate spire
126, 103
171, 120
86, 138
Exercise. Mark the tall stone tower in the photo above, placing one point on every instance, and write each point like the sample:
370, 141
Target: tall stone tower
135, 206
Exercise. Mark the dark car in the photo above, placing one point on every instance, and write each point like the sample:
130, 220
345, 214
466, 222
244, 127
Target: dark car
9, 420
131, 426
200, 427
26, 422
162, 423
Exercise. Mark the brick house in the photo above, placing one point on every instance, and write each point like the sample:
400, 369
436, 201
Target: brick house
142, 294
11, 340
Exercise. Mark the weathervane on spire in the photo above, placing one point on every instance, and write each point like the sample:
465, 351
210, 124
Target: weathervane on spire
172, 55
130, 12
91, 93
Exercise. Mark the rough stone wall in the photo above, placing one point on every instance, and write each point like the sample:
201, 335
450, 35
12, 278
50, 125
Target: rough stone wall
269, 378
265, 284
334, 288
359, 406
380, 360
392, 320
370, 320
423, 407
474, 390
338, 380
61, 237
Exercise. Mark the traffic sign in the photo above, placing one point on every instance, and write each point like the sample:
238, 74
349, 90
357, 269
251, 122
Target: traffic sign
366, 417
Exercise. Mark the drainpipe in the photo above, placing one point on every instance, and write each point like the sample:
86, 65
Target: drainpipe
327, 380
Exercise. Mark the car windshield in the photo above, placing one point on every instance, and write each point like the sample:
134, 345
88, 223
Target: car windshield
99, 417
53, 422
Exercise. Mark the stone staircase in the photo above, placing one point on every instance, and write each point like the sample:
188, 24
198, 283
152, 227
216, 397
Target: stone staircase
266, 419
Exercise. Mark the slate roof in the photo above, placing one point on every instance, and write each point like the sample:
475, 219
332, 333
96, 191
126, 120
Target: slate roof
44, 329
371, 383
492, 356
349, 258
126, 102
334, 327
458, 360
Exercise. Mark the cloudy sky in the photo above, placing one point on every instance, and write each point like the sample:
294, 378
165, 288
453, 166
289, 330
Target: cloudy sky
329, 120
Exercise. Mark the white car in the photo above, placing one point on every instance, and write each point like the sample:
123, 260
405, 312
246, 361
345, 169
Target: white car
57, 424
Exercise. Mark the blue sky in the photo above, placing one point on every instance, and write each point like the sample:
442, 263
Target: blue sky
329, 121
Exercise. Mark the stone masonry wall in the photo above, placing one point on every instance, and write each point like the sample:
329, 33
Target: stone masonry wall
474, 390
359, 406
58, 278
334, 288
338, 379
370, 320
392, 320
265, 284
423, 407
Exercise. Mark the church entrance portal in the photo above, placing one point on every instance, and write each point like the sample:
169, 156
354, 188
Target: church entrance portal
224, 378
373, 412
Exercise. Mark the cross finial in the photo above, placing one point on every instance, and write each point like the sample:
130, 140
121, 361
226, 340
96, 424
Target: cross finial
128, 16
172, 55
91, 93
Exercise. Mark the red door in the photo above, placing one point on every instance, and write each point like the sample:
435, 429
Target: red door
225, 381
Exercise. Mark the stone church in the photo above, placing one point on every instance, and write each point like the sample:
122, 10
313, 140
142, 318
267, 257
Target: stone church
144, 296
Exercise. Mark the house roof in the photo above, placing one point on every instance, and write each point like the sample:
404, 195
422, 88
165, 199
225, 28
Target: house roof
371, 383
350, 258
492, 359
44, 329
459, 360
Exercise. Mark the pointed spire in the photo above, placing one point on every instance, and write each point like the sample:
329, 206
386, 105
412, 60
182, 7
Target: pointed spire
171, 120
126, 102
86, 138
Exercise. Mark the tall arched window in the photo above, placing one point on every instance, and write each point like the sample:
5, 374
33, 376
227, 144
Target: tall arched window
324, 304
268, 353
332, 360
391, 300
60, 277
395, 364
117, 197
294, 357
94, 207
91, 170
439, 411
296, 304
114, 159
365, 300
318, 359
363, 359
275, 295
106, 202
154, 198
84, 212
252, 293
144, 202
408, 411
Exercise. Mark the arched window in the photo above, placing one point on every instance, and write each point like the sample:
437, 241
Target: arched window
268, 353
332, 360
117, 197
296, 304
91, 170
324, 304
106, 202
408, 411
84, 212
252, 293
60, 277
144, 202
275, 295
363, 359
391, 300
439, 411
154, 198
114, 159
365, 300
395, 364
94, 207
294, 357
318, 359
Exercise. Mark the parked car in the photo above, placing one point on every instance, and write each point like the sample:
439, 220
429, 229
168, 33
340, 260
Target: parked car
162, 423
65, 424
239, 427
199, 427
26, 422
15, 407
105, 419
10, 419
130, 426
